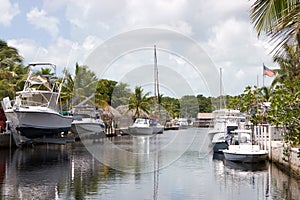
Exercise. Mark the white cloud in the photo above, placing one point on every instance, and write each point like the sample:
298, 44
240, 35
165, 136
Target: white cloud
221, 27
27, 48
62, 52
54, 5
8, 11
91, 42
234, 46
155, 12
40, 19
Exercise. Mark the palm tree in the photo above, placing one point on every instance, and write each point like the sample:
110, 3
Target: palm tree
139, 102
67, 89
266, 93
289, 64
85, 82
278, 19
12, 71
9, 56
104, 92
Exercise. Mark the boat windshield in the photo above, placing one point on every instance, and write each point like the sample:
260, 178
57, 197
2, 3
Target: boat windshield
141, 121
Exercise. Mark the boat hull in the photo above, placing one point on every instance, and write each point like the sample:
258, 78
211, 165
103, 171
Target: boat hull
219, 147
249, 158
219, 143
158, 129
245, 153
87, 129
34, 124
134, 130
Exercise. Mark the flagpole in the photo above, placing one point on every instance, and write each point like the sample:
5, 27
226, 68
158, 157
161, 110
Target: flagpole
257, 80
263, 76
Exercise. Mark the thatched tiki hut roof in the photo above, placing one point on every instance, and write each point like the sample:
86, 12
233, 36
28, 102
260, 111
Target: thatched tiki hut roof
128, 115
110, 115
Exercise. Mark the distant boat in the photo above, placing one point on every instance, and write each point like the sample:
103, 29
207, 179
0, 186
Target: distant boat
141, 127
87, 122
171, 125
244, 150
183, 123
157, 127
36, 110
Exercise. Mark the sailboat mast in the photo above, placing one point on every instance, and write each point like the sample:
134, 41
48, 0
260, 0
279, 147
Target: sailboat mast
155, 80
157, 83
220, 88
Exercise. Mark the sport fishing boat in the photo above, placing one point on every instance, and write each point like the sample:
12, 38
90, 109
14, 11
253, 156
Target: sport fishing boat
35, 112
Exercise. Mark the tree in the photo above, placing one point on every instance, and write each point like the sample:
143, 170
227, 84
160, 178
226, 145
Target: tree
171, 105
189, 106
285, 111
266, 92
9, 57
204, 103
289, 65
120, 95
139, 102
104, 92
12, 72
67, 89
85, 82
251, 102
278, 19
6, 90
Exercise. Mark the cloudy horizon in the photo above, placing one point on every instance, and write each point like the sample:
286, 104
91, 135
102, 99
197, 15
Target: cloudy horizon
68, 31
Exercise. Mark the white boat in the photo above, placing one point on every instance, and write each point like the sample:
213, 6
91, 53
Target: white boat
157, 127
141, 126
35, 111
243, 150
172, 125
225, 121
87, 122
183, 123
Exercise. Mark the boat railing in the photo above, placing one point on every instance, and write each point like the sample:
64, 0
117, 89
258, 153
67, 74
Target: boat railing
27, 103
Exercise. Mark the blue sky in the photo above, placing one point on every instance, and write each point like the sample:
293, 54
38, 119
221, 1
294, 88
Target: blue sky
67, 31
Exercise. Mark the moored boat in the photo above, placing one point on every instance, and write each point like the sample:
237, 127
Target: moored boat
36, 110
171, 125
157, 127
141, 126
183, 123
243, 149
245, 153
87, 122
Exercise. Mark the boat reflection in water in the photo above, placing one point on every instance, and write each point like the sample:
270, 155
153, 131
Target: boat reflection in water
258, 166
36, 170
241, 166
51, 172
71, 172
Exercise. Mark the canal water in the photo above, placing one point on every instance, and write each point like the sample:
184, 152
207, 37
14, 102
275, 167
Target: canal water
173, 165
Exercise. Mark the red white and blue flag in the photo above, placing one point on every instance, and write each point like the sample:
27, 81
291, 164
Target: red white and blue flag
268, 72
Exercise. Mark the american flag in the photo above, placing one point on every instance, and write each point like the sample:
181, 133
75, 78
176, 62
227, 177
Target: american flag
268, 72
